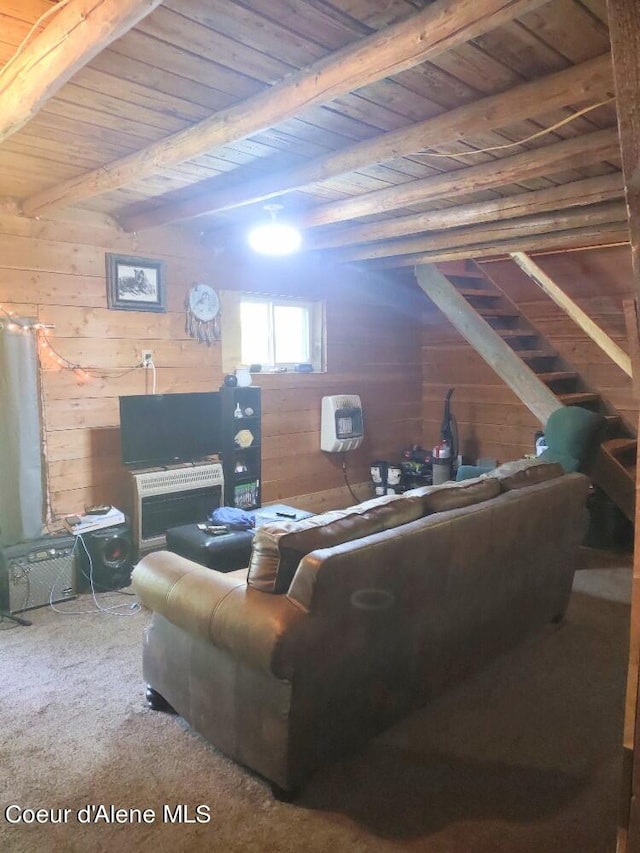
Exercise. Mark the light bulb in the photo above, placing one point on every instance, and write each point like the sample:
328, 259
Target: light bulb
275, 238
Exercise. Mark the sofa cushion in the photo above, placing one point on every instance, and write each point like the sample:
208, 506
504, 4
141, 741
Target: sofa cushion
278, 547
454, 495
524, 472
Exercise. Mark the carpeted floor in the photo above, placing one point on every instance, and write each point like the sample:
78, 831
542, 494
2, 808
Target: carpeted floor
524, 757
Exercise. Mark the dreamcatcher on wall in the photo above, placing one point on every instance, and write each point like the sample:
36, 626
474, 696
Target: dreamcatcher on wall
203, 314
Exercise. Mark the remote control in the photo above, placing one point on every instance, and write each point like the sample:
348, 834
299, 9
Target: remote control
101, 509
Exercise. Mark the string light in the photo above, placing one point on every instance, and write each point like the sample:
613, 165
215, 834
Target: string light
52, 356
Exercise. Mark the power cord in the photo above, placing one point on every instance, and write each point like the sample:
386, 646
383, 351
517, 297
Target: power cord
356, 499
133, 608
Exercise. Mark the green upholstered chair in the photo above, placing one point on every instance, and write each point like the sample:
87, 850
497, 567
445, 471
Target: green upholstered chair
466, 472
572, 435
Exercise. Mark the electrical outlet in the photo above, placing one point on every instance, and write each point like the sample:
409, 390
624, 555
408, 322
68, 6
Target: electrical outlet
147, 357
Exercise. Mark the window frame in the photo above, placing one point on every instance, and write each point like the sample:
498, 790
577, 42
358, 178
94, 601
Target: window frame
232, 328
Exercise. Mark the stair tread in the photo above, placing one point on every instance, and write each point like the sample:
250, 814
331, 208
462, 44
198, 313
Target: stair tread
472, 291
526, 354
474, 274
619, 445
612, 420
516, 333
579, 397
557, 375
497, 312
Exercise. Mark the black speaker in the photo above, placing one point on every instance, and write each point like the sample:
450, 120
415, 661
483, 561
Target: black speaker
104, 557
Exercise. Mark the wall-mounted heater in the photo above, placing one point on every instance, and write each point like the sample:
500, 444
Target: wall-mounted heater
341, 426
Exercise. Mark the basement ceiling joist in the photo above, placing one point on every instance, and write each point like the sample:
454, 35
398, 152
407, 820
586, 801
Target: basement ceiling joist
204, 110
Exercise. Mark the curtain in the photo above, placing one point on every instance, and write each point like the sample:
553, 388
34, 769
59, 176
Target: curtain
21, 492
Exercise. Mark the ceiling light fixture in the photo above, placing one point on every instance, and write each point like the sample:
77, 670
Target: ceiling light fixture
275, 238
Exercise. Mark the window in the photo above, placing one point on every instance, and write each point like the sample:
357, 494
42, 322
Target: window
275, 332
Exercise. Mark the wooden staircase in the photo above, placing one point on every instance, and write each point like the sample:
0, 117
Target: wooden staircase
614, 466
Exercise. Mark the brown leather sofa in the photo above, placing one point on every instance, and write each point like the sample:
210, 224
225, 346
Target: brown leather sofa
346, 621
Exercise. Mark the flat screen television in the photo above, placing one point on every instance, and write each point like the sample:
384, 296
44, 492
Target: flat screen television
162, 429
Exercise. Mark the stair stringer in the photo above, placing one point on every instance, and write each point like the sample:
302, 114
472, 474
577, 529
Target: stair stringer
608, 470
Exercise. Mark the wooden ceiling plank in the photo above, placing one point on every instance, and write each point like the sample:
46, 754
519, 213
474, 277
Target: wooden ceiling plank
569, 29
13, 31
78, 32
579, 193
589, 81
522, 50
482, 72
573, 310
26, 10
138, 95
184, 63
132, 134
251, 29
122, 111
437, 28
598, 8
308, 19
590, 148
173, 28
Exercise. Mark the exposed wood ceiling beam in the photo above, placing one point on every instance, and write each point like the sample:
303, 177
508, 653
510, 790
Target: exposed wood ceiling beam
77, 33
591, 81
612, 211
573, 310
531, 390
575, 194
601, 234
574, 153
442, 26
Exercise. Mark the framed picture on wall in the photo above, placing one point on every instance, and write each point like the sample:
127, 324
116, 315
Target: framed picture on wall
135, 284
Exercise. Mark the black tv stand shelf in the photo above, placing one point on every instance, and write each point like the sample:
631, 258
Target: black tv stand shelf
241, 446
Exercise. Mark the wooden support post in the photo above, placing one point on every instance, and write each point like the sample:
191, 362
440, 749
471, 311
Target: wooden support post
630, 308
625, 43
535, 395
598, 335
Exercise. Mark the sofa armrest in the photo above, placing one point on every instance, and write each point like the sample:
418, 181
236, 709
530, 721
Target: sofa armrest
257, 628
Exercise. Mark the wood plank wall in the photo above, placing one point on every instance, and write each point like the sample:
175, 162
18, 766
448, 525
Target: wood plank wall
492, 421
55, 271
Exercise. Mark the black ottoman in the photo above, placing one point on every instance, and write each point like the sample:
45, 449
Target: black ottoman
232, 550
223, 553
